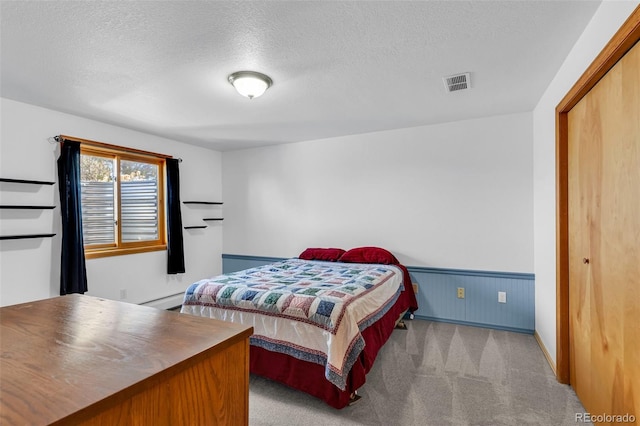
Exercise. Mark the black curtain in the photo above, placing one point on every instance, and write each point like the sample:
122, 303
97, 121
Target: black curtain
73, 274
175, 247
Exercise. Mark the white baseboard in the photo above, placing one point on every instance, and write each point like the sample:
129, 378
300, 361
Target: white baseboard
166, 302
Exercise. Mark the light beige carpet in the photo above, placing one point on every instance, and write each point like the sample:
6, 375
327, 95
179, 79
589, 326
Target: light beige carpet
436, 374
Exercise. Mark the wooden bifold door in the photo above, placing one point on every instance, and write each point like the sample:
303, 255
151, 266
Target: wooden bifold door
603, 176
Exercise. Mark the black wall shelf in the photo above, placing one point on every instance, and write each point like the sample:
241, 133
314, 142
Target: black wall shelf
32, 182
203, 202
27, 207
25, 236
209, 203
195, 227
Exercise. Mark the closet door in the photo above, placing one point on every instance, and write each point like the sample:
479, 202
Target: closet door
604, 242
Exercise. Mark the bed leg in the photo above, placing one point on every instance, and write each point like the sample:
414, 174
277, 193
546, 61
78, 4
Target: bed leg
354, 397
400, 321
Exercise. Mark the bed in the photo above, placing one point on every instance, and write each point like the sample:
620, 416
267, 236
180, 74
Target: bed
319, 319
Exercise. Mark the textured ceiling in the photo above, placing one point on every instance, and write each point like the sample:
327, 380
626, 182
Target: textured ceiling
338, 67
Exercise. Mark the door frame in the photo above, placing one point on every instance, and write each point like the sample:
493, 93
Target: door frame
624, 39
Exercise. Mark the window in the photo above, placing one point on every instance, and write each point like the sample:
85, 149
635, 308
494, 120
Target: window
122, 202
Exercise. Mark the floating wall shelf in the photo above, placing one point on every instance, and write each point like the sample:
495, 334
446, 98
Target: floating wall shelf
33, 182
195, 227
27, 207
208, 203
203, 202
22, 237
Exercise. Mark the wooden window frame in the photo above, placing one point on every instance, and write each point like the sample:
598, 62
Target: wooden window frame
119, 247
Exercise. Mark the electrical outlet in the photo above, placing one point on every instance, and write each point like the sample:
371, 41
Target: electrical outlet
502, 297
460, 292
123, 293
415, 288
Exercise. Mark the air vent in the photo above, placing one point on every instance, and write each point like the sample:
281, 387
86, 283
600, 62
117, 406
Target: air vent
457, 82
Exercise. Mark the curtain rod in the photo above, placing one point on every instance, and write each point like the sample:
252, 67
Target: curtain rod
62, 138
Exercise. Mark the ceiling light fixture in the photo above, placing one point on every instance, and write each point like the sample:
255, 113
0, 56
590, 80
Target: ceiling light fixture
250, 83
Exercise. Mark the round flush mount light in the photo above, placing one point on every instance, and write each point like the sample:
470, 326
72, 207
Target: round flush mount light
250, 83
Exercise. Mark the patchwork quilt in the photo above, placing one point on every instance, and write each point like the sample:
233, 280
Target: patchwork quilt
311, 310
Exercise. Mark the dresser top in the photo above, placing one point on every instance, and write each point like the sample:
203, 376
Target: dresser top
62, 355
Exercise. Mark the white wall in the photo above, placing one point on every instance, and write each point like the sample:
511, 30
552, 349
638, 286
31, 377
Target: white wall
30, 268
454, 195
604, 24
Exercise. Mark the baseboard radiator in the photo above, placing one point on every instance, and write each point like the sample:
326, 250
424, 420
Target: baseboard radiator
168, 302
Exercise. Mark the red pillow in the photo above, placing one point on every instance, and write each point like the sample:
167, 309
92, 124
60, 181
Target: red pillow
369, 255
326, 254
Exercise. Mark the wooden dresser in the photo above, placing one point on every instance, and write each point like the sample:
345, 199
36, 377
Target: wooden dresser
81, 360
